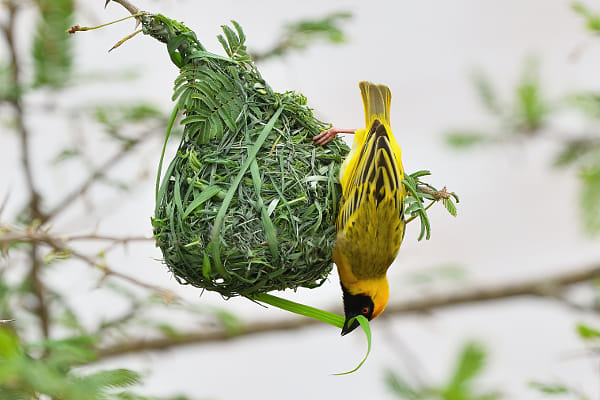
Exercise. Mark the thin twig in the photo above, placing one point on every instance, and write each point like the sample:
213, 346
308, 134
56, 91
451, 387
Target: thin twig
547, 287
114, 239
438, 194
38, 237
167, 295
10, 235
93, 178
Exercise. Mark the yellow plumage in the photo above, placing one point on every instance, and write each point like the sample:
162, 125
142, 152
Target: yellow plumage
371, 222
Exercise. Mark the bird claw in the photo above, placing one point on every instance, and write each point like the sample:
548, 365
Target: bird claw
328, 135
325, 137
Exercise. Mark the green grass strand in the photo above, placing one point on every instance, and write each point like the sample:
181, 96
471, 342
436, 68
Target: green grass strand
164, 148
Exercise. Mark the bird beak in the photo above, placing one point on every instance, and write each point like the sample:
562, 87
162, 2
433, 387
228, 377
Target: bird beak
349, 327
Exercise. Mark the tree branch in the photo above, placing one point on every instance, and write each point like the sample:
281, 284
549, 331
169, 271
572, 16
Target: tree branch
33, 208
542, 287
10, 234
37, 237
546, 287
43, 311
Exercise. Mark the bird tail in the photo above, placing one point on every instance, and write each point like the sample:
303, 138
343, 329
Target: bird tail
376, 101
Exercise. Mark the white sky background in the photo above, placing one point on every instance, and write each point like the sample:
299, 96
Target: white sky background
517, 217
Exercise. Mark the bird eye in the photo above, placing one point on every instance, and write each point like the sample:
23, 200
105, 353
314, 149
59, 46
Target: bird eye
365, 310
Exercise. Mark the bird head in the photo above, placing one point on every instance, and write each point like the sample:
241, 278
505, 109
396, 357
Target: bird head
366, 298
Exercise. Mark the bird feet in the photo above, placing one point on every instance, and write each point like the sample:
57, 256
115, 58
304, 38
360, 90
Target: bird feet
328, 135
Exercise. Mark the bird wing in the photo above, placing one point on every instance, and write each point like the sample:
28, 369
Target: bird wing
376, 176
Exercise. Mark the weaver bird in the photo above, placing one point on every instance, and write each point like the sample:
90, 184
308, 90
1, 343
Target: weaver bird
370, 225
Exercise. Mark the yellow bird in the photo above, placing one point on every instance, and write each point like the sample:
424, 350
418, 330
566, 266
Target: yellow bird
370, 225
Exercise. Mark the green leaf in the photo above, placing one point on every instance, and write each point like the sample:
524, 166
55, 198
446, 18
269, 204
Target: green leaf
592, 19
586, 102
231, 323
417, 208
487, 94
577, 150
550, 388
240, 31
111, 379
464, 139
301, 34
56, 255
68, 319
587, 332
531, 107
69, 351
64, 155
420, 173
9, 344
223, 42
400, 387
449, 205
169, 331
232, 38
470, 364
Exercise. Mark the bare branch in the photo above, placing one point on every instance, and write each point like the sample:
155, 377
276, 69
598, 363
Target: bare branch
10, 234
136, 346
37, 236
542, 287
548, 287
438, 194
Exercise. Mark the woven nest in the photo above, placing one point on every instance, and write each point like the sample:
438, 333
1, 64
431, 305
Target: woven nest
248, 203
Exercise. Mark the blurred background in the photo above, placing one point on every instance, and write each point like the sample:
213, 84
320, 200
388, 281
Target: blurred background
499, 100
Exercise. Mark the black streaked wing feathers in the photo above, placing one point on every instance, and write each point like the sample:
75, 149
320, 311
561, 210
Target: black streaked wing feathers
376, 174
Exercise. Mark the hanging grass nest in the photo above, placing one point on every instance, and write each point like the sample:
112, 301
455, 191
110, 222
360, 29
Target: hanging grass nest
248, 203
